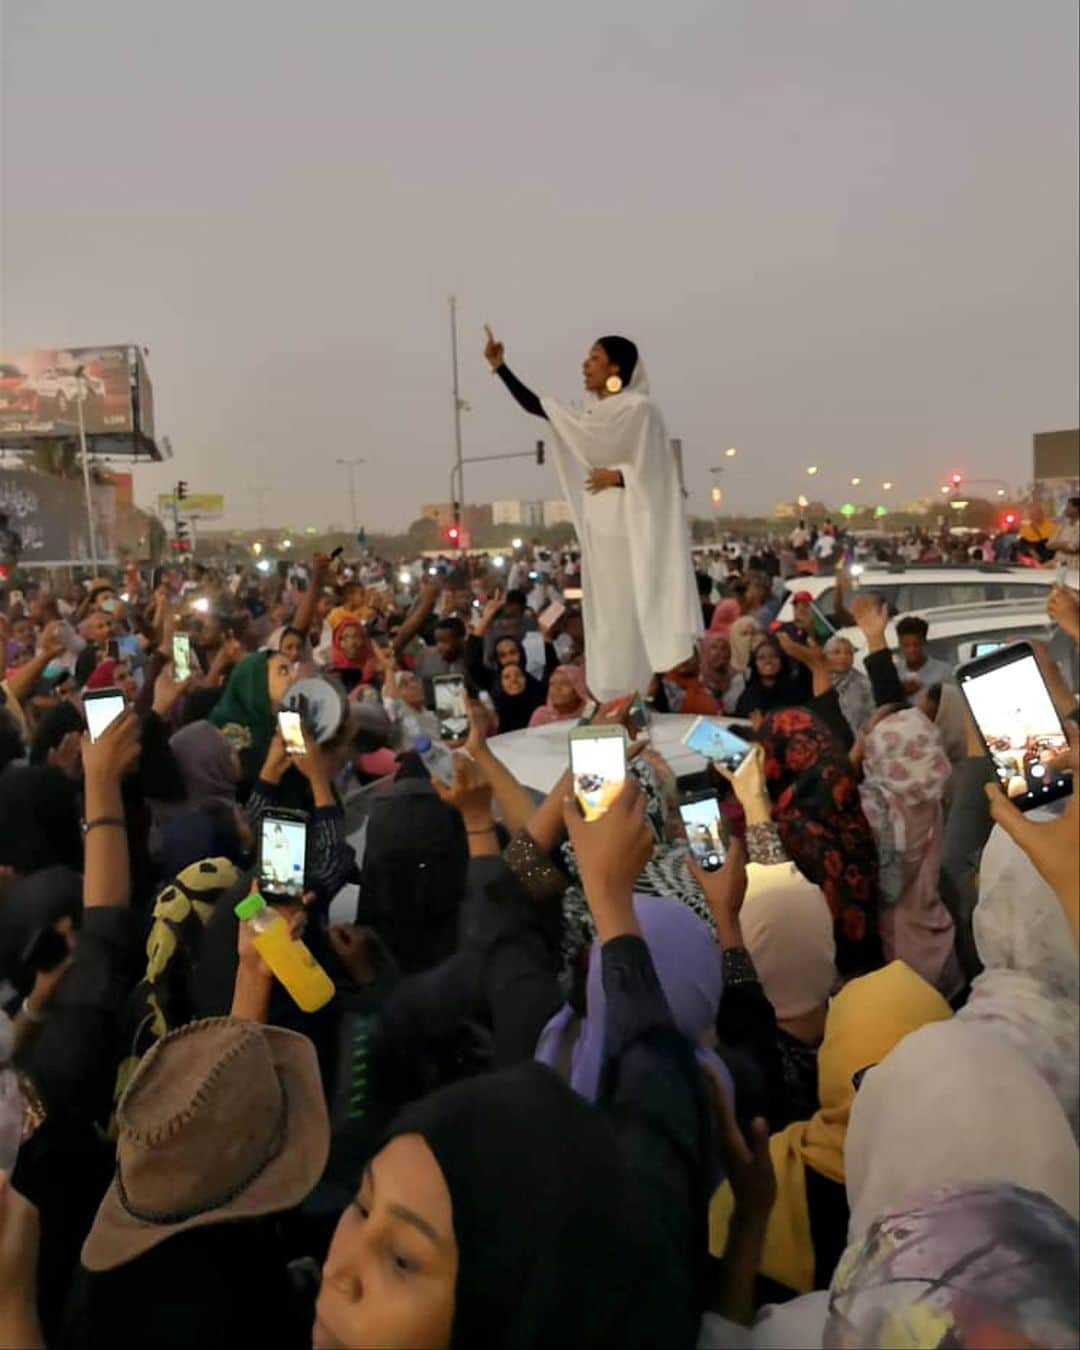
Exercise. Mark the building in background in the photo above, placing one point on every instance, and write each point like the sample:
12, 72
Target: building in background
517, 512
557, 513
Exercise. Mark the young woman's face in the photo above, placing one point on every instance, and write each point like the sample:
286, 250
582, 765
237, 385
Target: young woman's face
596, 369
351, 641
507, 654
561, 692
410, 690
292, 646
840, 657
279, 675
391, 1271
512, 680
767, 661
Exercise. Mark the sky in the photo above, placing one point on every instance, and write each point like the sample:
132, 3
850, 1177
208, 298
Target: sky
842, 232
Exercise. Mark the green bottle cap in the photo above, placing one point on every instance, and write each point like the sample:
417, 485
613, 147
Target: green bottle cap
249, 907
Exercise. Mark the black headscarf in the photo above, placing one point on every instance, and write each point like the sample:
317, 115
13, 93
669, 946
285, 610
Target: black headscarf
543, 1212
514, 710
621, 352
33, 903
57, 723
39, 818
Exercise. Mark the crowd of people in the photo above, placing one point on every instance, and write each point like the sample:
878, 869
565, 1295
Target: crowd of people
570, 1088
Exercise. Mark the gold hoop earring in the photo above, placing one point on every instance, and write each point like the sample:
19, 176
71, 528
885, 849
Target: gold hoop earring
613, 384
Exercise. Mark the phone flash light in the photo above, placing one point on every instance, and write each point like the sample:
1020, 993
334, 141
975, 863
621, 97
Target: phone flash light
856, 569
202, 605
263, 564
405, 578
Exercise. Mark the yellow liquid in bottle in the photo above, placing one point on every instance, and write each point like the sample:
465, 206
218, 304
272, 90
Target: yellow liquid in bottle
294, 966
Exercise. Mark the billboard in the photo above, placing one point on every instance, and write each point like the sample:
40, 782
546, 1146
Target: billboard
195, 506
49, 516
40, 392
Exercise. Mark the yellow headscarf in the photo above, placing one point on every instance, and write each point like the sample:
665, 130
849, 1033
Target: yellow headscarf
867, 1018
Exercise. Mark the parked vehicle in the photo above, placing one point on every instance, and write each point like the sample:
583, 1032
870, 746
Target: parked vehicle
60, 389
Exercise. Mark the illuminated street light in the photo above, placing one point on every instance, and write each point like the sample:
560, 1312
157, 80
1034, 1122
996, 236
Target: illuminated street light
803, 503
855, 482
286, 543
945, 488
256, 548
717, 496
1001, 492
730, 452
811, 470
886, 487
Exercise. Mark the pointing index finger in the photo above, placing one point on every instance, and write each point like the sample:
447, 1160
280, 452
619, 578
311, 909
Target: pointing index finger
490, 334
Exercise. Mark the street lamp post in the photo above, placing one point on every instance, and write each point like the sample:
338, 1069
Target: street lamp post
80, 394
352, 464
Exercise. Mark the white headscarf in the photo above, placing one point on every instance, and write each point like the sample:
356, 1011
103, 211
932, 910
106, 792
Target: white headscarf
954, 1105
788, 930
1028, 993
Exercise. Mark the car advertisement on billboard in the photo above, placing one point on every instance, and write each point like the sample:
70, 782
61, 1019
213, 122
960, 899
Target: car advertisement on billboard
41, 392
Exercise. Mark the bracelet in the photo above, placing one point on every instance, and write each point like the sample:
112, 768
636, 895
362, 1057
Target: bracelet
118, 821
37, 1019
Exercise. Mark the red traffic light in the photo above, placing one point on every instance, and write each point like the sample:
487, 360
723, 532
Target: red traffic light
956, 479
453, 533
1008, 520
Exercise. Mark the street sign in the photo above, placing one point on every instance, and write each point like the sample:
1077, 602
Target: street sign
197, 505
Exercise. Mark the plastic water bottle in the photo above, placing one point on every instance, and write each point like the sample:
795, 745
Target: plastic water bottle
438, 761
289, 959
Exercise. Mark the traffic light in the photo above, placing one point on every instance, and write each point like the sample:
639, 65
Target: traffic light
453, 534
183, 537
539, 452
1008, 520
956, 479
181, 490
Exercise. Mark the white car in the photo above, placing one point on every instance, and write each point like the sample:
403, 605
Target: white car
921, 589
960, 633
63, 389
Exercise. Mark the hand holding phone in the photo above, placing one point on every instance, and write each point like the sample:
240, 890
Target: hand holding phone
702, 822
101, 707
451, 706
292, 732
713, 741
282, 854
181, 656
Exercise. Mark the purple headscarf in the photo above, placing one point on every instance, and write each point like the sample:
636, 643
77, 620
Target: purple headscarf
691, 974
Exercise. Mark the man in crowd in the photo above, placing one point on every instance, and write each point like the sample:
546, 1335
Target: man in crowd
915, 666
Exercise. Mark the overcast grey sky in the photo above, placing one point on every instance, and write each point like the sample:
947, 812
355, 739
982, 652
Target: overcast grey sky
842, 231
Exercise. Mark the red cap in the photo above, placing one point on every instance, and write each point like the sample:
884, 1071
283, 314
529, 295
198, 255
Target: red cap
802, 598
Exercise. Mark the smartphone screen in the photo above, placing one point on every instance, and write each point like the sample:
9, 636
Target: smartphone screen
598, 764
451, 707
714, 741
128, 647
181, 655
549, 617
282, 850
701, 820
292, 733
1018, 723
102, 707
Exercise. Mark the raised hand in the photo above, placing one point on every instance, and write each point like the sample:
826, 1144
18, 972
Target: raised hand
493, 350
611, 853
106, 760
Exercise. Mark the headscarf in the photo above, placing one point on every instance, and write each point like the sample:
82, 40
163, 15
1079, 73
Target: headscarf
966, 1266
905, 773
32, 903
691, 974
549, 1239
1029, 989
161, 1002
207, 762
342, 622
866, 1020
39, 819
57, 723
740, 637
784, 692
209, 831
788, 931
821, 824
515, 710
542, 717
724, 616
103, 676
954, 1105
243, 711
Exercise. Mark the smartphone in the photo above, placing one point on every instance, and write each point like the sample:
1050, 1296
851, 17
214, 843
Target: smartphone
1018, 724
598, 766
112, 649
102, 707
128, 647
716, 742
46, 950
549, 617
700, 812
282, 850
451, 707
292, 731
181, 656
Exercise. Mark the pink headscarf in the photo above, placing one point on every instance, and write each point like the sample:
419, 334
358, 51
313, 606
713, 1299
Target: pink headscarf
724, 615
905, 773
548, 713
103, 676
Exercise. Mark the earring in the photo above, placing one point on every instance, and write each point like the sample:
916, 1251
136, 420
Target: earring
613, 384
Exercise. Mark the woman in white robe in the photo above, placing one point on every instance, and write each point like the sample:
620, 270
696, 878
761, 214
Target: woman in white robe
624, 488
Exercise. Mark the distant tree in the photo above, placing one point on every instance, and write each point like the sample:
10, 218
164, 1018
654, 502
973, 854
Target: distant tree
424, 533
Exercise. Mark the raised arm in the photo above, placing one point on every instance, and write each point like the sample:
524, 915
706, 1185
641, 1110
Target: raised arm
524, 397
417, 617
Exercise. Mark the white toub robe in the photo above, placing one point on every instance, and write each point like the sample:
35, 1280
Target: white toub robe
640, 603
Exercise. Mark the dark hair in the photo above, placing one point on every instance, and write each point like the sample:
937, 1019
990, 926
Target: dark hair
517, 597
11, 743
288, 631
451, 624
620, 352
704, 583
912, 626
